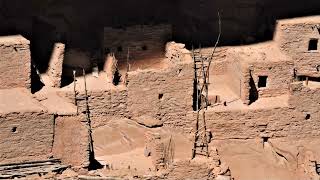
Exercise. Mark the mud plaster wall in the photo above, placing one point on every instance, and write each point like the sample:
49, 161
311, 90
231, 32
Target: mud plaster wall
293, 40
32, 139
164, 94
104, 105
234, 75
144, 41
15, 64
71, 141
280, 75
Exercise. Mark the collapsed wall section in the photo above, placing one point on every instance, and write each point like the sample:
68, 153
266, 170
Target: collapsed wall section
15, 62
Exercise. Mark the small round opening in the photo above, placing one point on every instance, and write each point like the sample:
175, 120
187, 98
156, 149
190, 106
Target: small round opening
14, 129
308, 116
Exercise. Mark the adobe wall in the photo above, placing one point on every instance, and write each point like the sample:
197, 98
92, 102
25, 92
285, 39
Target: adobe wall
71, 141
15, 62
25, 136
163, 94
235, 75
144, 41
293, 38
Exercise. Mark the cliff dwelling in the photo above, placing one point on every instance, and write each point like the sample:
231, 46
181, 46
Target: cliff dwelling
160, 90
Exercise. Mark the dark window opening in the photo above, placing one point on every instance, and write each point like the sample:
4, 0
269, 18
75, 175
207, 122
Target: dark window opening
304, 78
144, 48
262, 81
308, 116
14, 129
119, 49
160, 96
313, 45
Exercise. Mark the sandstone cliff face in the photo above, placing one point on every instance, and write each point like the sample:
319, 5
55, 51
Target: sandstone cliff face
193, 21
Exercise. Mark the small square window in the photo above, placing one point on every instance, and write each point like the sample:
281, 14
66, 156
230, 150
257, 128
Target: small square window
262, 82
313, 45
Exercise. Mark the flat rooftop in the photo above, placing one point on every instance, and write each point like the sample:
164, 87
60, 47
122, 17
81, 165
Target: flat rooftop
261, 52
14, 39
261, 103
18, 101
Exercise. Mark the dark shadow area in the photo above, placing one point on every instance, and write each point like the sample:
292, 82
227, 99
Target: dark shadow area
36, 84
79, 24
253, 91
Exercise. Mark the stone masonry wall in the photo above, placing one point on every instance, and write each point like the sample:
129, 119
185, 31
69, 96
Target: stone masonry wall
163, 94
55, 64
15, 62
103, 105
280, 75
305, 100
293, 38
25, 136
298, 120
144, 41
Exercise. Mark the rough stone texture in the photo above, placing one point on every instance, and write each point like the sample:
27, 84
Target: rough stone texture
164, 94
26, 127
176, 51
71, 141
149, 121
32, 137
103, 105
55, 64
293, 36
259, 60
144, 41
156, 147
15, 62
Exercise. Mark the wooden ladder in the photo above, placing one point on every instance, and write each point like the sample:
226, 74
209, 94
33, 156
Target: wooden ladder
87, 110
201, 66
